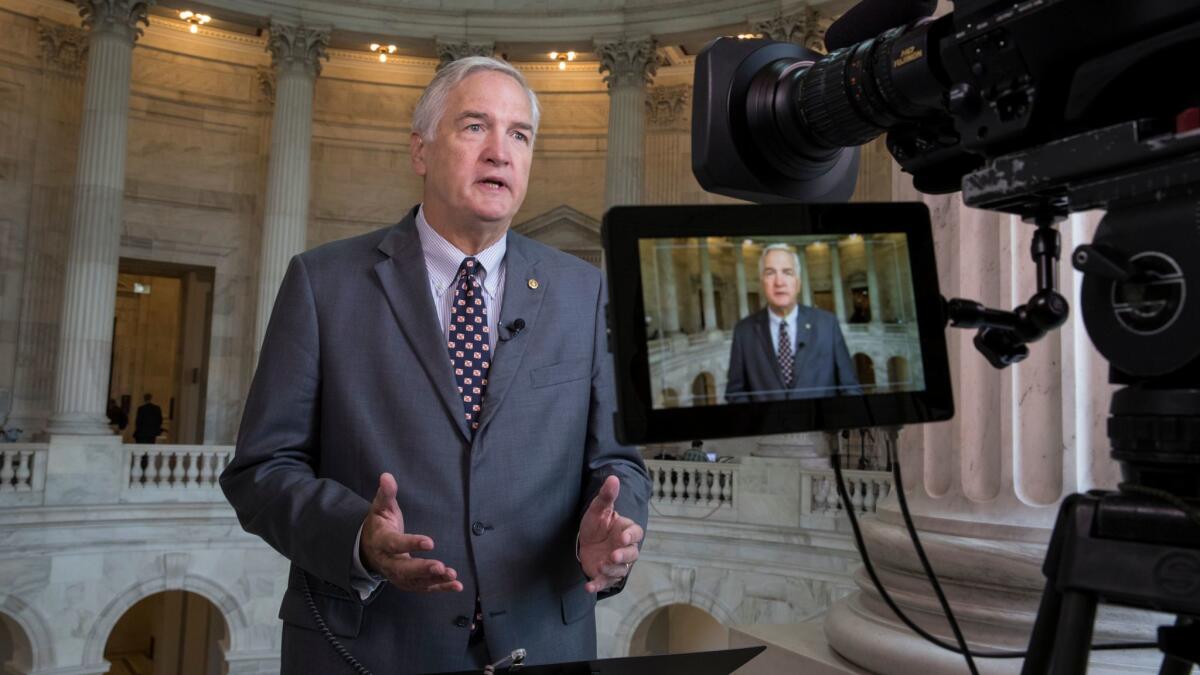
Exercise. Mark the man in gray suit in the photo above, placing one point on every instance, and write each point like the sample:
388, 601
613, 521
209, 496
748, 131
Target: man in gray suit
786, 350
429, 435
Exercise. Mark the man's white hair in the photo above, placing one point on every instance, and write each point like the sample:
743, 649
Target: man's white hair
432, 104
762, 259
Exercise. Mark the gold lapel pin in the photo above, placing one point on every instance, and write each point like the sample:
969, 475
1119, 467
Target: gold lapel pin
533, 283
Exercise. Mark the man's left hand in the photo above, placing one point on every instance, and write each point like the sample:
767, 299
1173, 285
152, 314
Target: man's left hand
607, 540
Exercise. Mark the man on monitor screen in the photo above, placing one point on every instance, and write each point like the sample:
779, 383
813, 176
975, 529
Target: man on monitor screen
787, 350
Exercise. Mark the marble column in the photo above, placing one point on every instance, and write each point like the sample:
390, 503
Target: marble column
669, 287
629, 65
806, 297
839, 293
739, 270
90, 292
706, 287
873, 293
984, 488
296, 52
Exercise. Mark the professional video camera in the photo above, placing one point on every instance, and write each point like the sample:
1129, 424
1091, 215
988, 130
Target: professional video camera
1038, 108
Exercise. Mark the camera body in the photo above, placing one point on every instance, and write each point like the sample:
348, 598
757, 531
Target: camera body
989, 79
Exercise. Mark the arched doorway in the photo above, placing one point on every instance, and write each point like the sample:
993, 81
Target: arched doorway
16, 652
864, 367
704, 390
670, 398
897, 372
169, 632
679, 628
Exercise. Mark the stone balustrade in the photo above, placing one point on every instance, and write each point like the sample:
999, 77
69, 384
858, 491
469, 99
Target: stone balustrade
174, 472
710, 491
819, 494
692, 486
22, 473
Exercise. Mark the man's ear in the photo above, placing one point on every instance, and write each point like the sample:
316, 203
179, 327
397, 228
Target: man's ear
416, 146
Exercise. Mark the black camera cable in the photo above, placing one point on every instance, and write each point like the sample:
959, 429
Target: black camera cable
961, 647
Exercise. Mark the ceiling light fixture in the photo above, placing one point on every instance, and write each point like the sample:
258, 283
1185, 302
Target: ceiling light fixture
383, 51
562, 58
194, 20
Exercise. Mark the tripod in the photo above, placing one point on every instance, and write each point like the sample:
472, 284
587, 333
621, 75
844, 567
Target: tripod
1139, 547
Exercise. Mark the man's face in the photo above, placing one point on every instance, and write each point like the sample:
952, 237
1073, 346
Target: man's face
476, 168
779, 281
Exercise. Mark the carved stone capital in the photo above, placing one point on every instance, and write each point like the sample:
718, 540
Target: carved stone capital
298, 48
668, 106
627, 62
63, 47
122, 17
806, 28
453, 51
265, 77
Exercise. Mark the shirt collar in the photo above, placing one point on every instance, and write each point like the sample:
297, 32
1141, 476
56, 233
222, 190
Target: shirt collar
790, 318
443, 259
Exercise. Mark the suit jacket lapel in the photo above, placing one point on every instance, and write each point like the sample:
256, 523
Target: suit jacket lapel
519, 302
405, 282
762, 326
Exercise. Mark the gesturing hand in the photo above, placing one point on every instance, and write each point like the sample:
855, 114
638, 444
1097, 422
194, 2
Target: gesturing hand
607, 540
386, 549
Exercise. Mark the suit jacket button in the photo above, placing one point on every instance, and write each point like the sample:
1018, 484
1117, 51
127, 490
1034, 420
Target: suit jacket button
462, 622
477, 528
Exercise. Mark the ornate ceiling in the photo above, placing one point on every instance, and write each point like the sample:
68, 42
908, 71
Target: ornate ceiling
521, 30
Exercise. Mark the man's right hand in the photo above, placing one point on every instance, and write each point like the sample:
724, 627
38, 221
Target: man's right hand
386, 549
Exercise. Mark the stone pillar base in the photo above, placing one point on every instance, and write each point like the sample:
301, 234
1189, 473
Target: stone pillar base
78, 424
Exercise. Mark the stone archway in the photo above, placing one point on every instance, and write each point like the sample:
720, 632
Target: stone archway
25, 637
704, 389
897, 372
678, 628
16, 649
864, 367
224, 601
169, 631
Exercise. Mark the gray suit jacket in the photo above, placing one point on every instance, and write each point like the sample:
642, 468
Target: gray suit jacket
822, 365
354, 380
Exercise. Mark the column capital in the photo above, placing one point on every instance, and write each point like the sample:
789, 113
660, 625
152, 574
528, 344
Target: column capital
120, 17
805, 27
298, 48
453, 51
265, 77
627, 62
63, 47
668, 106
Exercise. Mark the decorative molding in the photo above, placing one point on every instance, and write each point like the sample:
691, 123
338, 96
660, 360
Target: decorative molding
298, 47
63, 47
805, 27
265, 77
453, 51
627, 62
668, 106
121, 17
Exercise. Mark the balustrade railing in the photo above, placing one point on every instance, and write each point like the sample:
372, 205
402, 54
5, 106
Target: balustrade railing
187, 470
819, 495
22, 472
703, 486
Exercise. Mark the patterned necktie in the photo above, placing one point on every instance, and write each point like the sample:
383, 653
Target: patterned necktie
785, 355
470, 353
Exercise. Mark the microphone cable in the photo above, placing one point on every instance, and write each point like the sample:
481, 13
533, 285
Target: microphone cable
337, 645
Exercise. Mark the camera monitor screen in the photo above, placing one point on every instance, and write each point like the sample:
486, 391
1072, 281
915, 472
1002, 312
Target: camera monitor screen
745, 320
